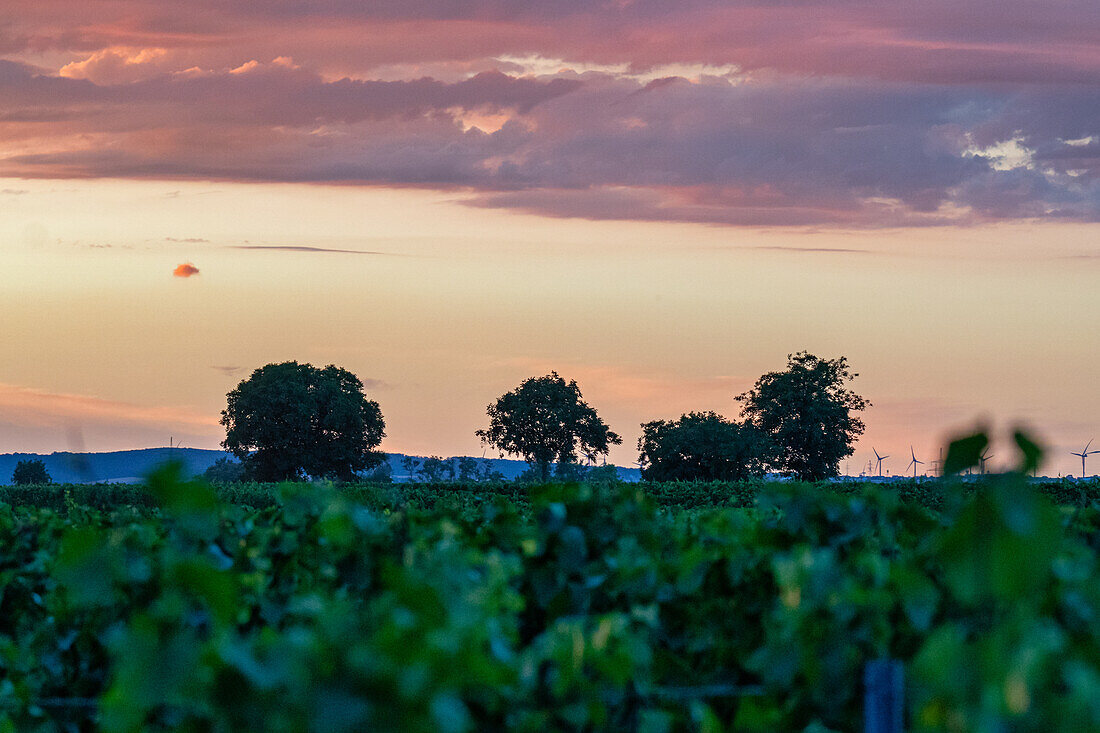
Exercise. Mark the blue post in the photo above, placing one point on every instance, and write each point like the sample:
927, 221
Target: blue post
884, 696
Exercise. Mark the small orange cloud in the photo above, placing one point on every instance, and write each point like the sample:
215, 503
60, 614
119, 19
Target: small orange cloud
185, 270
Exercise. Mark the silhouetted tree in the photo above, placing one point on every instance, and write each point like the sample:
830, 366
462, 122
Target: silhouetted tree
291, 420
467, 469
605, 474
700, 446
546, 420
30, 471
806, 413
433, 470
570, 471
410, 464
380, 474
488, 473
224, 471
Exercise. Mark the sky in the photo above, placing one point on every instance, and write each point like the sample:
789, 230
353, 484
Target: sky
659, 200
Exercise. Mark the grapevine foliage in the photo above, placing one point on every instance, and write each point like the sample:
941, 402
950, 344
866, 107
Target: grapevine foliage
584, 607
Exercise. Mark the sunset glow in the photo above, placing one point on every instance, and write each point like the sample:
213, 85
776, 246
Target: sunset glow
658, 200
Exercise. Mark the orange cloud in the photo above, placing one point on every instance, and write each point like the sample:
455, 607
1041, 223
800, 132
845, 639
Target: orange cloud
40, 407
39, 420
185, 270
119, 65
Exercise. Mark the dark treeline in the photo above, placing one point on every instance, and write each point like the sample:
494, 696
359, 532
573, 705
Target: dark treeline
291, 421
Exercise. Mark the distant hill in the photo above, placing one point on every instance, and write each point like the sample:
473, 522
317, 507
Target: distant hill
130, 466
127, 466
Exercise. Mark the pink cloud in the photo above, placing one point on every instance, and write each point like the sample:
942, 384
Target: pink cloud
42, 407
846, 113
37, 420
890, 39
119, 65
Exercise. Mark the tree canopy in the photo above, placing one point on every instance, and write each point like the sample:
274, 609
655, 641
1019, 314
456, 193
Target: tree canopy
291, 420
806, 413
544, 420
30, 471
224, 471
700, 446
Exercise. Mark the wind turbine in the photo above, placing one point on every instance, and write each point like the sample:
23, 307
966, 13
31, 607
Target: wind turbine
982, 459
1083, 455
913, 463
880, 459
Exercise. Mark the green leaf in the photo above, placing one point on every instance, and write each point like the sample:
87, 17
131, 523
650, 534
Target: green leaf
919, 597
217, 589
85, 567
574, 550
1032, 452
758, 715
704, 718
964, 453
179, 496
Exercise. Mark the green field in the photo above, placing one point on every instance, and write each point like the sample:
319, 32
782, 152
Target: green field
750, 606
